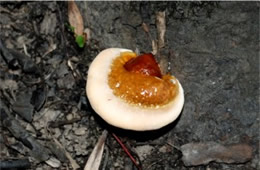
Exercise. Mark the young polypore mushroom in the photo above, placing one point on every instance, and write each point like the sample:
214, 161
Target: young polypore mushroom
129, 91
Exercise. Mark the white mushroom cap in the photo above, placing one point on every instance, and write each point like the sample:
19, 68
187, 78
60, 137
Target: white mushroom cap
118, 112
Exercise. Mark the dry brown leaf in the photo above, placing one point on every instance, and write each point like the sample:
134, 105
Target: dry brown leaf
161, 28
72, 161
202, 153
163, 63
155, 47
94, 159
75, 18
145, 27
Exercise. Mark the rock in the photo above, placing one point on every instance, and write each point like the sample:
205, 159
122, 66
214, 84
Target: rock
48, 25
143, 151
55, 60
62, 70
53, 162
31, 129
47, 116
66, 82
8, 84
69, 117
57, 133
80, 131
163, 149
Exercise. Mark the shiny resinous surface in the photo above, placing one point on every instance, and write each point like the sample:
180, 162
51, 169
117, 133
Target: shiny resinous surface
140, 89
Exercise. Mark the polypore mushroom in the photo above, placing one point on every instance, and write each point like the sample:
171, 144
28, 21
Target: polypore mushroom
129, 91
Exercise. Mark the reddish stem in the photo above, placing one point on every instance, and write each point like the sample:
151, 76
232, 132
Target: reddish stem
126, 151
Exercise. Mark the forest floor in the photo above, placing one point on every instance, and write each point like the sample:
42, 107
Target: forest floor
211, 47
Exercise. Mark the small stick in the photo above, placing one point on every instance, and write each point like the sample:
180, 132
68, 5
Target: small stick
65, 122
126, 151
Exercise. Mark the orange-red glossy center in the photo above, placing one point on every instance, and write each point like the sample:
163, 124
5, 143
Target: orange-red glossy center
138, 80
144, 64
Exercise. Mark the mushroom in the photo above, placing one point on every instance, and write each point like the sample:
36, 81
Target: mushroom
129, 92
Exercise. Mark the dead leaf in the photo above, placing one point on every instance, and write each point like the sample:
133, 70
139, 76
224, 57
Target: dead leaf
75, 18
72, 161
87, 34
203, 153
155, 47
94, 159
146, 30
161, 28
164, 64
145, 27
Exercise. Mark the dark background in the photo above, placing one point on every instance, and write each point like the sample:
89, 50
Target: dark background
211, 47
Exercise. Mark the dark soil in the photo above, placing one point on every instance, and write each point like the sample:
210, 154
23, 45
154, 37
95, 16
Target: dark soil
211, 47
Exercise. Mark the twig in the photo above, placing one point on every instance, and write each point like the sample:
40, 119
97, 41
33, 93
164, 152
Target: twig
176, 147
126, 151
25, 50
65, 122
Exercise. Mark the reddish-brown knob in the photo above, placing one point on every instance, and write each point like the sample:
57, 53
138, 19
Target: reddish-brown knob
144, 64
